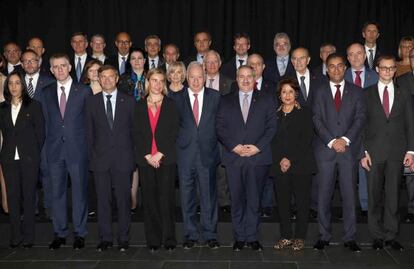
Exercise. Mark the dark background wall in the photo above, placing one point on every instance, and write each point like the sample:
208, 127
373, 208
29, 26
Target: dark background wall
308, 22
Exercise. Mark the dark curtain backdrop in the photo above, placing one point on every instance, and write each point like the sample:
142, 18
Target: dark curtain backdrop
308, 22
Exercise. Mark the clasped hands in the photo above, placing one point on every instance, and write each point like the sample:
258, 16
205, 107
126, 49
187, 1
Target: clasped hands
154, 160
246, 150
339, 145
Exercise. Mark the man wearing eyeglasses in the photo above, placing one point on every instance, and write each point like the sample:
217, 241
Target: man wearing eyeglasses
388, 144
123, 44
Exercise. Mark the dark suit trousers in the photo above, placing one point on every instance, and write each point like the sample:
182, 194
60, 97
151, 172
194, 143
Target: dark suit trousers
21, 180
223, 195
204, 178
300, 186
326, 183
158, 195
121, 182
384, 181
246, 187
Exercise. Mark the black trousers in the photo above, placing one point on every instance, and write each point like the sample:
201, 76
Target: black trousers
21, 179
158, 196
299, 185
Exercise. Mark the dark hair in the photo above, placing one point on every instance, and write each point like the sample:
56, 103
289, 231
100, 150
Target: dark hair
58, 56
293, 83
384, 57
171, 45
79, 34
241, 35
85, 79
335, 55
107, 67
144, 53
29, 51
26, 100
370, 23
203, 32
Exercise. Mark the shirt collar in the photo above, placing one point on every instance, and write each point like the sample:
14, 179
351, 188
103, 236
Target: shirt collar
67, 84
113, 94
35, 76
190, 92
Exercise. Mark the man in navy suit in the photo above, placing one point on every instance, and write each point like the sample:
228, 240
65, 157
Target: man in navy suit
198, 157
241, 45
246, 124
202, 43
79, 43
363, 77
36, 82
153, 48
12, 53
66, 150
370, 33
339, 117
280, 66
109, 117
325, 50
123, 44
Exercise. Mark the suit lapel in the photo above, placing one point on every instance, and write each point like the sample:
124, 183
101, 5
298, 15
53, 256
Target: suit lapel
71, 98
118, 109
397, 100
205, 108
188, 104
55, 98
377, 101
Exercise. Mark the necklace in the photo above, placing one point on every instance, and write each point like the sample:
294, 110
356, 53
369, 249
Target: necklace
154, 102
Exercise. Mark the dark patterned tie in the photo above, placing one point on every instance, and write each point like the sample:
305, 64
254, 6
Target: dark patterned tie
30, 89
109, 114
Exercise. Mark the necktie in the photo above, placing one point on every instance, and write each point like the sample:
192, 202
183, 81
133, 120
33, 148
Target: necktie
62, 102
282, 72
210, 84
79, 69
303, 87
109, 114
358, 81
152, 63
255, 85
30, 90
337, 98
122, 67
386, 102
195, 108
241, 62
371, 58
245, 107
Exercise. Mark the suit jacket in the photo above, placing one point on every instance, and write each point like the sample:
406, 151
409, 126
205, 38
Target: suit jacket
224, 84
110, 148
45, 67
370, 77
190, 59
258, 130
389, 139
314, 84
330, 124
42, 83
165, 133
229, 68
202, 138
113, 60
293, 140
73, 70
66, 135
161, 63
268, 87
271, 72
28, 134
17, 68
406, 82
377, 55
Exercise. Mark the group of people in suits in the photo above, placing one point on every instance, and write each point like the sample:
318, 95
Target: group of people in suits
236, 134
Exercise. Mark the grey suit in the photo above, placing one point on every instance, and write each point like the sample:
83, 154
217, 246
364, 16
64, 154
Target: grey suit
370, 77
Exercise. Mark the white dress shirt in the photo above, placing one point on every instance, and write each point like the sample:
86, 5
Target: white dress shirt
200, 98
14, 113
156, 60
10, 67
120, 59
83, 60
390, 89
333, 91
374, 51
101, 57
216, 81
114, 94
238, 58
259, 83
67, 85
307, 80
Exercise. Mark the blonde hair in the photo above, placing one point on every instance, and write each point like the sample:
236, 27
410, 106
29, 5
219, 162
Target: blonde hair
152, 72
174, 66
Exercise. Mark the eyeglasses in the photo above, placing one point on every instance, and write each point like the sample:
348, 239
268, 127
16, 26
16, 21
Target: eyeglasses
123, 42
30, 61
387, 68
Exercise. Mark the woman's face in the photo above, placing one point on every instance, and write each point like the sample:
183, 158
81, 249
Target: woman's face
137, 60
93, 72
405, 48
15, 86
156, 84
176, 75
287, 95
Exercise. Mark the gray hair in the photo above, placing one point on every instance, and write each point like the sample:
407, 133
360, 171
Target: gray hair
194, 64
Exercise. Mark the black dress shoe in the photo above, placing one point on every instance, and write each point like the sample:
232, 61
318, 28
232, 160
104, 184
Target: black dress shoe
104, 245
364, 213
352, 246
313, 214
78, 243
213, 244
378, 244
27, 245
394, 244
123, 246
189, 244
409, 218
133, 211
15, 245
57, 242
255, 245
154, 248
320, 244
267, 212
169, 247
238, 245
226, 209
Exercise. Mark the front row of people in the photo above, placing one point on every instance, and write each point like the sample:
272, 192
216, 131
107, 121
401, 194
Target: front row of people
292, 142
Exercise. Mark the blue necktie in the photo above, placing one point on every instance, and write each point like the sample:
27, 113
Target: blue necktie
122, 68
79, 69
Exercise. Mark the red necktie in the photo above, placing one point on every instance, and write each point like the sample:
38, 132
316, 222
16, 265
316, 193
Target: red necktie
337, 98
386, 102
255, 85
358, 81
195, 108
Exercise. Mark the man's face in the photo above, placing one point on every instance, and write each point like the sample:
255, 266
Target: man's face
300, 60
202, 42
336, 70
325, 52
281, 46
98, 45
79, 44
386, 69
245, 79
257, 64
36, 45
30, 63
60, 68
170, 54
356, 56
196, 78
241, 46
212, 64
152, 47
108, 80
371, 33
12, 53
123, 43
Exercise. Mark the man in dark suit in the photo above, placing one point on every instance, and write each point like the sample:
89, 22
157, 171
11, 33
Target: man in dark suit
109, 118
245, 125
388, 144
12, 53
339, 117
153, 47
170, 53
198, 157
121, 59
241, 45
370, 33
363, 77
406, 83
36, 83
279, 66
36, 44
66, 150
98, 45
325, 50
202, 43
79, 43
